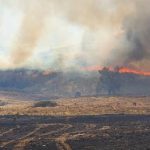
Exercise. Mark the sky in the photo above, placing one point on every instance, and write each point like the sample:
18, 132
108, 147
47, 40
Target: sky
73, 34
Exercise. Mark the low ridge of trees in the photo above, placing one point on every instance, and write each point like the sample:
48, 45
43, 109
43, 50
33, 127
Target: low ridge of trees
22, 78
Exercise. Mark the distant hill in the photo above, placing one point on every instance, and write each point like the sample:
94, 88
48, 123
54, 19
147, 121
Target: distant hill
67, 84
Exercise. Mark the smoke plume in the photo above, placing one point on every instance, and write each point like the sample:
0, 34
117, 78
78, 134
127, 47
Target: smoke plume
73, 34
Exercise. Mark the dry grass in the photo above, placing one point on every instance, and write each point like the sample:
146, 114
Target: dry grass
81, 106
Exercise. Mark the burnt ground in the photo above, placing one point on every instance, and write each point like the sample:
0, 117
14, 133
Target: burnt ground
105, 132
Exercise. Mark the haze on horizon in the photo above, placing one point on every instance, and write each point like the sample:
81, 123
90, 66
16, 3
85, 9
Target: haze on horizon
72, 34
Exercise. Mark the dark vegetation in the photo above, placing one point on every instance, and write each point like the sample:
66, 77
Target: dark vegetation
109, 81
114, 82
78, 94
2, 103
74, 84
22, 78
45, 104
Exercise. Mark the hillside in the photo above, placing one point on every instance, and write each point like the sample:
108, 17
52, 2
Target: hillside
45, 85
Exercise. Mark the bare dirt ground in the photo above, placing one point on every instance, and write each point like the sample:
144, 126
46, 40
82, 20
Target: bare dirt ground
104, 123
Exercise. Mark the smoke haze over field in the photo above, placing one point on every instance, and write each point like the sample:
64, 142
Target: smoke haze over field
73, 34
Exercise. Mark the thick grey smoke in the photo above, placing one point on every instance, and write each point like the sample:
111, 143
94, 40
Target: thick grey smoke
73, 34
138, 35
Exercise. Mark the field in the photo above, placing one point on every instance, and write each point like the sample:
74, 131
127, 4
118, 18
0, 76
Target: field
78, 106
85, 123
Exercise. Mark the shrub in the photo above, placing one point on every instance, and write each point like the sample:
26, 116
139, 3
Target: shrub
45, 104
77, 94
2, 103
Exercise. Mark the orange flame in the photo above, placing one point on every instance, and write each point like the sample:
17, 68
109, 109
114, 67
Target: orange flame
121, 70
133, 71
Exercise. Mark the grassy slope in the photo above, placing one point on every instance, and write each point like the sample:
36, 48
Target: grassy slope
80, 106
